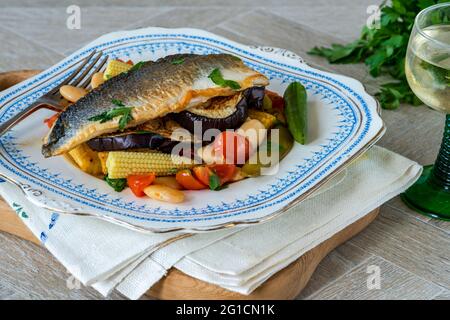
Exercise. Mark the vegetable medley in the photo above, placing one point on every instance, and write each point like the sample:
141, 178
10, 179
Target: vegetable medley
143, 158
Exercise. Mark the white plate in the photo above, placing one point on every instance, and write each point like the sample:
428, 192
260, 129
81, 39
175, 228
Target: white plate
343, 119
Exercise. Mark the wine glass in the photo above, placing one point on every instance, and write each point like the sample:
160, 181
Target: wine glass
427, 69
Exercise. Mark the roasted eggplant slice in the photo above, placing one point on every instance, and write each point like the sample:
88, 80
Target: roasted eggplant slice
255, 97
140, 140
156, 134
136, 140
221, 113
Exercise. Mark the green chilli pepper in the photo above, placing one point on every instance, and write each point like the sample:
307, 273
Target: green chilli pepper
295, 110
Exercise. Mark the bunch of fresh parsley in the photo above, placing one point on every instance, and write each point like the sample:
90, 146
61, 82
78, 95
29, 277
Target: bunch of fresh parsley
383, 49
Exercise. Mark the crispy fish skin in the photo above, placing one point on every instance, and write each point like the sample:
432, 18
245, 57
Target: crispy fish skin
154, 90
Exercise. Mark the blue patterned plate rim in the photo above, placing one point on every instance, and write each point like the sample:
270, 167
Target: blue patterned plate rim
265, 60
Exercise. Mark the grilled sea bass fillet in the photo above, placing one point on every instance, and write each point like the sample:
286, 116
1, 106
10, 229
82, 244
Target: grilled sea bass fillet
153, 90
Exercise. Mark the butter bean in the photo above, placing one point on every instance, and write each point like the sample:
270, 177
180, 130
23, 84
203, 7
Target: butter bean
97, 80
254, 131
71, 93
170, 182
164, 193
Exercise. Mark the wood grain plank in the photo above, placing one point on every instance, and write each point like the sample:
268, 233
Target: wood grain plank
398, 204
409, 243
151, 3
396, 283
47, 27
415, 132
235, 36
205, 18
28, 271
338, 263
19, 53
8, 222
440, 224
7, 80
445, 295
324, 16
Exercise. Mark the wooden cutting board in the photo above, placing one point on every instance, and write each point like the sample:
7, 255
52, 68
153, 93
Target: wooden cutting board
286, 284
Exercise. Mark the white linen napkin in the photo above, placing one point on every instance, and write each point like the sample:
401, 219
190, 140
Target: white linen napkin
107, 256
244, 260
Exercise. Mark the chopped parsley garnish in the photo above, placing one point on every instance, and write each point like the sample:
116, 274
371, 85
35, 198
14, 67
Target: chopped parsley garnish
117, 184
136, 66
217, 78
122, 111
177, 61
118, 102
214, 181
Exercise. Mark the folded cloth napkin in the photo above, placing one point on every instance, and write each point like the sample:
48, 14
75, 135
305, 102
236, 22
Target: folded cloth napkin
110, 257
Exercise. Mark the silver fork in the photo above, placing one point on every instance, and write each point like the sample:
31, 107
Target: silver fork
51, 100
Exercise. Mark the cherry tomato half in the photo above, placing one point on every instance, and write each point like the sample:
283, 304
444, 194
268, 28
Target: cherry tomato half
188, 181
202, 173
50, 121
277, 100
138, 183
128, 62
232, 146
224, 171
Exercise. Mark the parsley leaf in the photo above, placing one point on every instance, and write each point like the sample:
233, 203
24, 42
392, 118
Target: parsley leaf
117, 184
217, 78
126, 117
122, 111
214, 181
222, 187
136, 66
393, 93
383, 49
177, 61
142, 132
118, 102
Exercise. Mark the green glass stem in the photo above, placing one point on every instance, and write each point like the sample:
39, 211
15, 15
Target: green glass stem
441, 169
430, 195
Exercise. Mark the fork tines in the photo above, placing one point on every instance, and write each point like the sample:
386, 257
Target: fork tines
85, 70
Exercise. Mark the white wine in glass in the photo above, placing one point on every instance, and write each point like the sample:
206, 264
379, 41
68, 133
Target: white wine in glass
427, 69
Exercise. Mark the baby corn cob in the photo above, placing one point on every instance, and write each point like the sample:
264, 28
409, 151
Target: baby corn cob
103, 156
86, 159
121, 164
267, 119
114, 68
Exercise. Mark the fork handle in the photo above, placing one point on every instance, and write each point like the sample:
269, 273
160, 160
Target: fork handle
8, 124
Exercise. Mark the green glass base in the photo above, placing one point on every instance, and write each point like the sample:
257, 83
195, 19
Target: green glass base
427, 198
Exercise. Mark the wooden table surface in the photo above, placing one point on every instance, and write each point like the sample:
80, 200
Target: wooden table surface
411, 250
